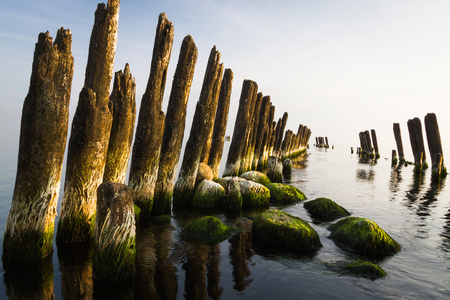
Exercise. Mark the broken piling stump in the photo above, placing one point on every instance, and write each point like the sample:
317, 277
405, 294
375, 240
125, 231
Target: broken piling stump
204, 111
121, 137
115, 233
398, 140
174, 127
150, 127
416, 139
91, 128
375, 142
275, 169
435, 146
220, 123
43, 132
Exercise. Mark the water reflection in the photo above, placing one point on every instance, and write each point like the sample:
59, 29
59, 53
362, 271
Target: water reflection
240, 255
365, 175
446, 235
155, 270
27, 282
395, 179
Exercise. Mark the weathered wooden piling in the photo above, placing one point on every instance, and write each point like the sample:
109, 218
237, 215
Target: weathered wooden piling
115, 233
240, 135
250, 151
43, 132
150, 127
398, 140
121, 137
435, 146
174, 127
266, 144
416, 139
261, 131
91, 128
220, 123
394, 157
375, 142
204, 111
287, 167
280, 134
275, 169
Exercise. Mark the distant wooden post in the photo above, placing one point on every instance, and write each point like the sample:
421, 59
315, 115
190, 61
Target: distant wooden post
375, 142
394, 157
240, 134
275, 169
220, 123
91, 128
417, 145
398, 140
174, 127
434, 145
184, 186
265, 147
121, 137
150, 127
115, 233
43, 132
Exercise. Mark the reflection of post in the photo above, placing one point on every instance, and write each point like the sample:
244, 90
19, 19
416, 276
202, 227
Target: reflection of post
240, 253
165, 273
214, 289
195, 268
398, 140
32, 281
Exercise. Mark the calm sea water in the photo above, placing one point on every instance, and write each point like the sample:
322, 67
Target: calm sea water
413, 211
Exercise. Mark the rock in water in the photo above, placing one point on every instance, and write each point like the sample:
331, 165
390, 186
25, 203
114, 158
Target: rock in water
207, 194
257, 177
363, 236
208, 229
324, 209
282, 229
281, 193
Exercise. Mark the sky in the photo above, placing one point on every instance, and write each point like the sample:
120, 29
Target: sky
338, 67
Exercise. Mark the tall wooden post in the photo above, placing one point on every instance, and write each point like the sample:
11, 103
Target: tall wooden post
150, 127
174, 128
417, 145
261, 131
250, 149
91, 128
220, 123
375, 142
204, 111
43, 132
398, 140
435, 146
121, 137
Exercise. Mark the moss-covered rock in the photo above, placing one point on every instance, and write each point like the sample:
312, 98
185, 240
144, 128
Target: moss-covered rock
233, 197
365, 269
257, 177
282, 229
253, 194
324, 209
207, 194
281, 193
208, 229
363, 236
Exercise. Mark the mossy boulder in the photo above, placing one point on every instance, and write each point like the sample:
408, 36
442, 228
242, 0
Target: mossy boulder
365, 269
362, 236
204, 172
282, 229
281, 193
207, 194
254, 195
233, 197
325, 210
257, 177
208, 229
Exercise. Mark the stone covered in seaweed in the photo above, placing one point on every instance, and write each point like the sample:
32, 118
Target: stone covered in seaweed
281, 193
363, 236
324, 209
207, 194
257, 177
282, 229
253, 194
365, 269
208, 229
233, 196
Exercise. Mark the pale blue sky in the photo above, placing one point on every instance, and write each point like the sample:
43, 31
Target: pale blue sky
338, 67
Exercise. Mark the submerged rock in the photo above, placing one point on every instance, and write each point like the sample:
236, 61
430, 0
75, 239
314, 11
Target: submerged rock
282, 229
365, 269
208, 229
207, 194
324, 209
257, 177
281, 193
363, 236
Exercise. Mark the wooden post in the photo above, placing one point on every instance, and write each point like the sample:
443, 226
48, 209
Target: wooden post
121, 137
204, 111
375, 142
91, 128
435, 146
398, 140
220, 123
417, 145
241, 125
275, 169
280, 133
253, 134
287, 167
267, 138
244, 165
43, 132
150, 127
394, 157
115, 233
261, 131
174, 127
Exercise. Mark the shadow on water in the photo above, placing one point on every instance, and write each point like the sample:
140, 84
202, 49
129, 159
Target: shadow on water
31, 281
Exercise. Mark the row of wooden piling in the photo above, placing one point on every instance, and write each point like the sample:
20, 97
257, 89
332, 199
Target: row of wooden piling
101, 136
369, 146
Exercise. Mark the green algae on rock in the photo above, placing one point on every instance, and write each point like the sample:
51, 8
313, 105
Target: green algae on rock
282, 229
363, 236
207, 194
233, 196
324, 209
257, 177
281, 193
253, 194
208, 229
365, 269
